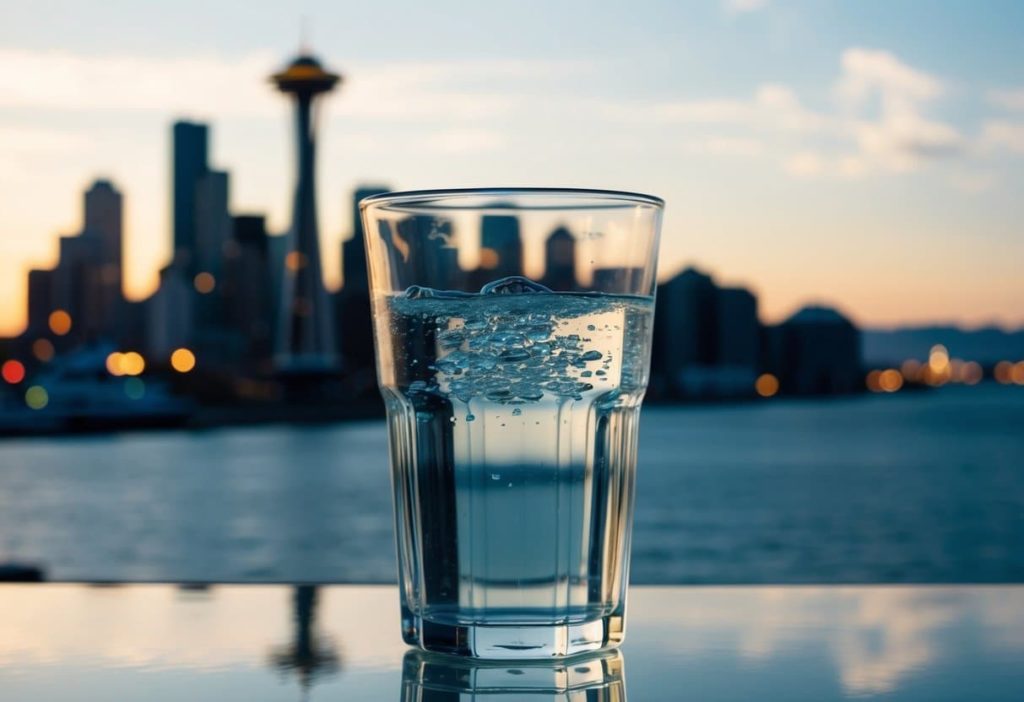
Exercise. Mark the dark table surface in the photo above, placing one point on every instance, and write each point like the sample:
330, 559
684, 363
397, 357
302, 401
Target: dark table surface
275, 642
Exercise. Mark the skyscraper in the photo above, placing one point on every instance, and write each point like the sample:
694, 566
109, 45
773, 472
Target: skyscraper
76, 288
213, 223
305, 339
355, 329
816, 351
247, 280
40, 299
189, 164
103, 224
738, 329
353, 250
501, 247
560, 260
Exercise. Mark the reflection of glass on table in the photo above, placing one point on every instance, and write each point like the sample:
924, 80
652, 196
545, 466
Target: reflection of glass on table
428, 677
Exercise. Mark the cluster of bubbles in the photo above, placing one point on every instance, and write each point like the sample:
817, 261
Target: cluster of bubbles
504, 345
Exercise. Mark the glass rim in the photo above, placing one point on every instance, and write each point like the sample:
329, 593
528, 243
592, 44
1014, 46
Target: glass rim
424, 199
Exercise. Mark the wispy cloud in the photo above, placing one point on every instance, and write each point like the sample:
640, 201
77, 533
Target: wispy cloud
230, 86
804, 163
739, 7
463, 141
1011, 99
1003, 135
725, 146
879, 120
898, 137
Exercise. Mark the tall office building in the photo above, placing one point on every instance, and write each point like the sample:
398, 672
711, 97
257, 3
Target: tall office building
353, 250
560, 260
305, 338
103, 214
816, 351
738, 329
189, 164
213, 225
168, 315
501, 246
76, 285
40, 299
248, 285
355, 327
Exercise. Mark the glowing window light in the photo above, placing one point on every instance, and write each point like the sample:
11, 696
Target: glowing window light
890, 380
488, 259
115, 364
204, 283
36, 397
60, 322
911, 370
1003, 372
1017, 374
971, 373
767, 385
43, 350
183, 360
938, 359
13, 372
294, 261
135, 388
132, 363
872, 381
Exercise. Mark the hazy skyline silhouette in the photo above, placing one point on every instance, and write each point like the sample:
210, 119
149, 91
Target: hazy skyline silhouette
874, 169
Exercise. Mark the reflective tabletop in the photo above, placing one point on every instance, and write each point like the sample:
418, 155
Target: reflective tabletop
275, 642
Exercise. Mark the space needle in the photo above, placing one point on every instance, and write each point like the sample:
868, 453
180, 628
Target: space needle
305, 339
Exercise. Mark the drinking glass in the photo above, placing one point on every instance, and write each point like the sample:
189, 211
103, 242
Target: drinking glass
513, 335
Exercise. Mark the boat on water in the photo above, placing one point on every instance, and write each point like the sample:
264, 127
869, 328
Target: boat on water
76, 392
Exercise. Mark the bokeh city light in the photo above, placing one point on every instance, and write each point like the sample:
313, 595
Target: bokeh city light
767, 385
60, 322
183, 360
204, 283
36, 397
43, 350
129, 363
13, 372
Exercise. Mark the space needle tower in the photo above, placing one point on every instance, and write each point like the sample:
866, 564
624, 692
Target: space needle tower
305, 339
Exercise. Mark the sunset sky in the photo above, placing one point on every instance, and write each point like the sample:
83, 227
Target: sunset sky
864, 154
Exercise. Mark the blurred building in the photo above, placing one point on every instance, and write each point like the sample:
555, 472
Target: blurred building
352, 303
188, 164
501, 248
739, 341
816, 351
41, 300
213, 225
248, 289
706, 339
429, 257
103, 217
168, 317
560, 260
618, 280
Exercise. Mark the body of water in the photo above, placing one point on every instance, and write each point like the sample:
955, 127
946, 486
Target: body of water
916, 487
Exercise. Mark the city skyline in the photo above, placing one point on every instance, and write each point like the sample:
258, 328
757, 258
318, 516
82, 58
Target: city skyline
872, 169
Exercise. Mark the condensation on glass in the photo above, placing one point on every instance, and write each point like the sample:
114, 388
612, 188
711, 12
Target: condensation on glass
513, 332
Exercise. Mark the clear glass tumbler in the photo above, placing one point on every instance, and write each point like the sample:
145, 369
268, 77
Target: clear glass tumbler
513, 335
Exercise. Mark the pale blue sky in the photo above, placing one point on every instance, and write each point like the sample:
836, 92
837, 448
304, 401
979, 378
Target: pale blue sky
865, 154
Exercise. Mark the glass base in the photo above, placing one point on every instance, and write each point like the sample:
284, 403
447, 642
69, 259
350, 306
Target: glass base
507, 642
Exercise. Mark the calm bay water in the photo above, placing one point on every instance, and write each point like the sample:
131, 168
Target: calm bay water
925, 487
